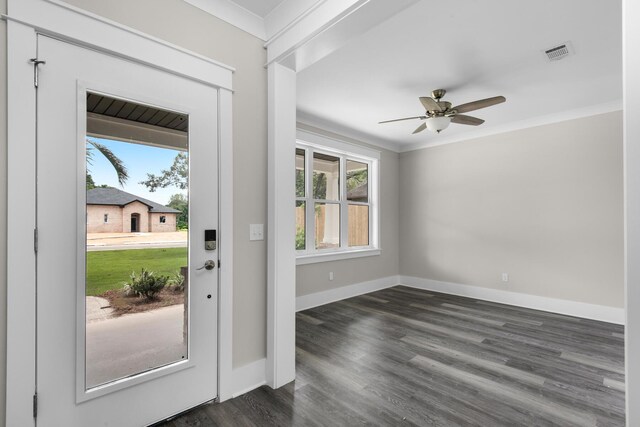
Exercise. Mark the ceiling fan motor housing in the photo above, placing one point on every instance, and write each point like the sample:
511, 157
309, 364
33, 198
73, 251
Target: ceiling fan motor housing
438, 94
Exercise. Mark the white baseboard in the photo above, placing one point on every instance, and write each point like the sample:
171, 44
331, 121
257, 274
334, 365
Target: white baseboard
554, 305
249, 377
325, 297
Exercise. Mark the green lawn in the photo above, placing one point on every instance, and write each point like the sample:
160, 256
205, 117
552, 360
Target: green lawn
108, 270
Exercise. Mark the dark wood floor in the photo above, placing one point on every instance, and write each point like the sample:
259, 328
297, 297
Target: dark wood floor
403, 356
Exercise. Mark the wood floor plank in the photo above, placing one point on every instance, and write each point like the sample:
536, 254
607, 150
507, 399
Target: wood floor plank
616, 385
309, 319
453, 313
420, 324
403, 356
505, 317
501, 368
567, 415
374, 299
592, 361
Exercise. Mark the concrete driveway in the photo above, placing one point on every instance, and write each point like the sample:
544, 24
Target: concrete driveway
133, 343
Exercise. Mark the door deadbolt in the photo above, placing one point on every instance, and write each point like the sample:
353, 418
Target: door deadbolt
208, 265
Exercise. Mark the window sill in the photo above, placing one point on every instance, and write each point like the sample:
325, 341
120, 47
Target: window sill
336, 256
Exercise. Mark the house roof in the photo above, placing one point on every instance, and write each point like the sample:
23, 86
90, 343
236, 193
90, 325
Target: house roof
359, 194
113, 197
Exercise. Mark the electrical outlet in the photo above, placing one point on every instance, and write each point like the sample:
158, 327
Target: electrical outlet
331, 275
505, 277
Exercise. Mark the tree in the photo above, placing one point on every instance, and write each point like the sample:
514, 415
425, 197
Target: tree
181, 203
177, 175
90, 184
356, 178
118, 165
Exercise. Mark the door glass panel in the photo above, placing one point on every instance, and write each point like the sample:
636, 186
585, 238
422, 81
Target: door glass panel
137, 256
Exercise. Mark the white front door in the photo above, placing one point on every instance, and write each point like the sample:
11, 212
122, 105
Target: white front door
124, 368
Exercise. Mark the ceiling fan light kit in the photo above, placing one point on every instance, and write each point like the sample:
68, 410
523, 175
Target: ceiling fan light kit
438, 123
439, 114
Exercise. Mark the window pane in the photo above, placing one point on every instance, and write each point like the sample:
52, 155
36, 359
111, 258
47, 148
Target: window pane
357, 181
326, 177
300, 190
358, 225
300, 226
327, 225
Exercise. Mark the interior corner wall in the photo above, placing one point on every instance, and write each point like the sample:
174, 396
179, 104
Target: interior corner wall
543, 204
3, 209
314, 278
186, 26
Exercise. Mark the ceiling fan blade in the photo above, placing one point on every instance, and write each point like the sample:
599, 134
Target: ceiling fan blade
430, 104
405, 118
420, 128
482, 103
461, 119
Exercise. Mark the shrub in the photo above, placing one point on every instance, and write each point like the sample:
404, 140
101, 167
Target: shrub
177, 282
300, 239
146, 284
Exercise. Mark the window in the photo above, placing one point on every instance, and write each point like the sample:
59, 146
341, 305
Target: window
163, 219
106, 218
336, 195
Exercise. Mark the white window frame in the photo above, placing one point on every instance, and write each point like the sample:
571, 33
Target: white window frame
312, 143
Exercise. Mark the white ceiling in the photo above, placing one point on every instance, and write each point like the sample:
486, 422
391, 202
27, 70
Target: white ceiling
258, 7
474, 49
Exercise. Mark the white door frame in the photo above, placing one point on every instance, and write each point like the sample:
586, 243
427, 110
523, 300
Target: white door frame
27, 18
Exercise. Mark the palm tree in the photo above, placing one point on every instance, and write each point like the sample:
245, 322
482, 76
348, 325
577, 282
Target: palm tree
118, 165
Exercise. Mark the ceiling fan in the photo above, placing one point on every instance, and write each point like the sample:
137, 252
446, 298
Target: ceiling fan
439, 114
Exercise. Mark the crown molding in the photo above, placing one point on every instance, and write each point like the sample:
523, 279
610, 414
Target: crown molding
399, 147
285, 15
233, 14
344, 131
268, 28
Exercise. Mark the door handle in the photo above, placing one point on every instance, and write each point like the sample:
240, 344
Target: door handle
208, 265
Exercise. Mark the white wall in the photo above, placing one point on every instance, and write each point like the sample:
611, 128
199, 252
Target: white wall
184, 25
313, 278
543, 204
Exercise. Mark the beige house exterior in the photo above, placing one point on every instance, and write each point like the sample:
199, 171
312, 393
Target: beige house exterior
110, 210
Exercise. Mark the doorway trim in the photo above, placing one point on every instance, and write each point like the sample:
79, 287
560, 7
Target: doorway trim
54, 18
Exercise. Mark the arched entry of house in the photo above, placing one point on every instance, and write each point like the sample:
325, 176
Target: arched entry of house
135, 223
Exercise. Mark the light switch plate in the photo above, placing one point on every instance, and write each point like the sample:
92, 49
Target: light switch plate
256, 231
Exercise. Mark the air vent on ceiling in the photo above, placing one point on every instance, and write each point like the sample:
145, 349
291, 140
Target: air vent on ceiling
558, 52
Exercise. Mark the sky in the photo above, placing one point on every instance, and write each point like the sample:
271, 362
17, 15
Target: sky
139, 160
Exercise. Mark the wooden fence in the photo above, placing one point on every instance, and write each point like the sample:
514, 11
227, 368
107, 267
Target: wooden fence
358, 224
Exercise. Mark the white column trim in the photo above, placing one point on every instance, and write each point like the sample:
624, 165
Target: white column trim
281, 262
